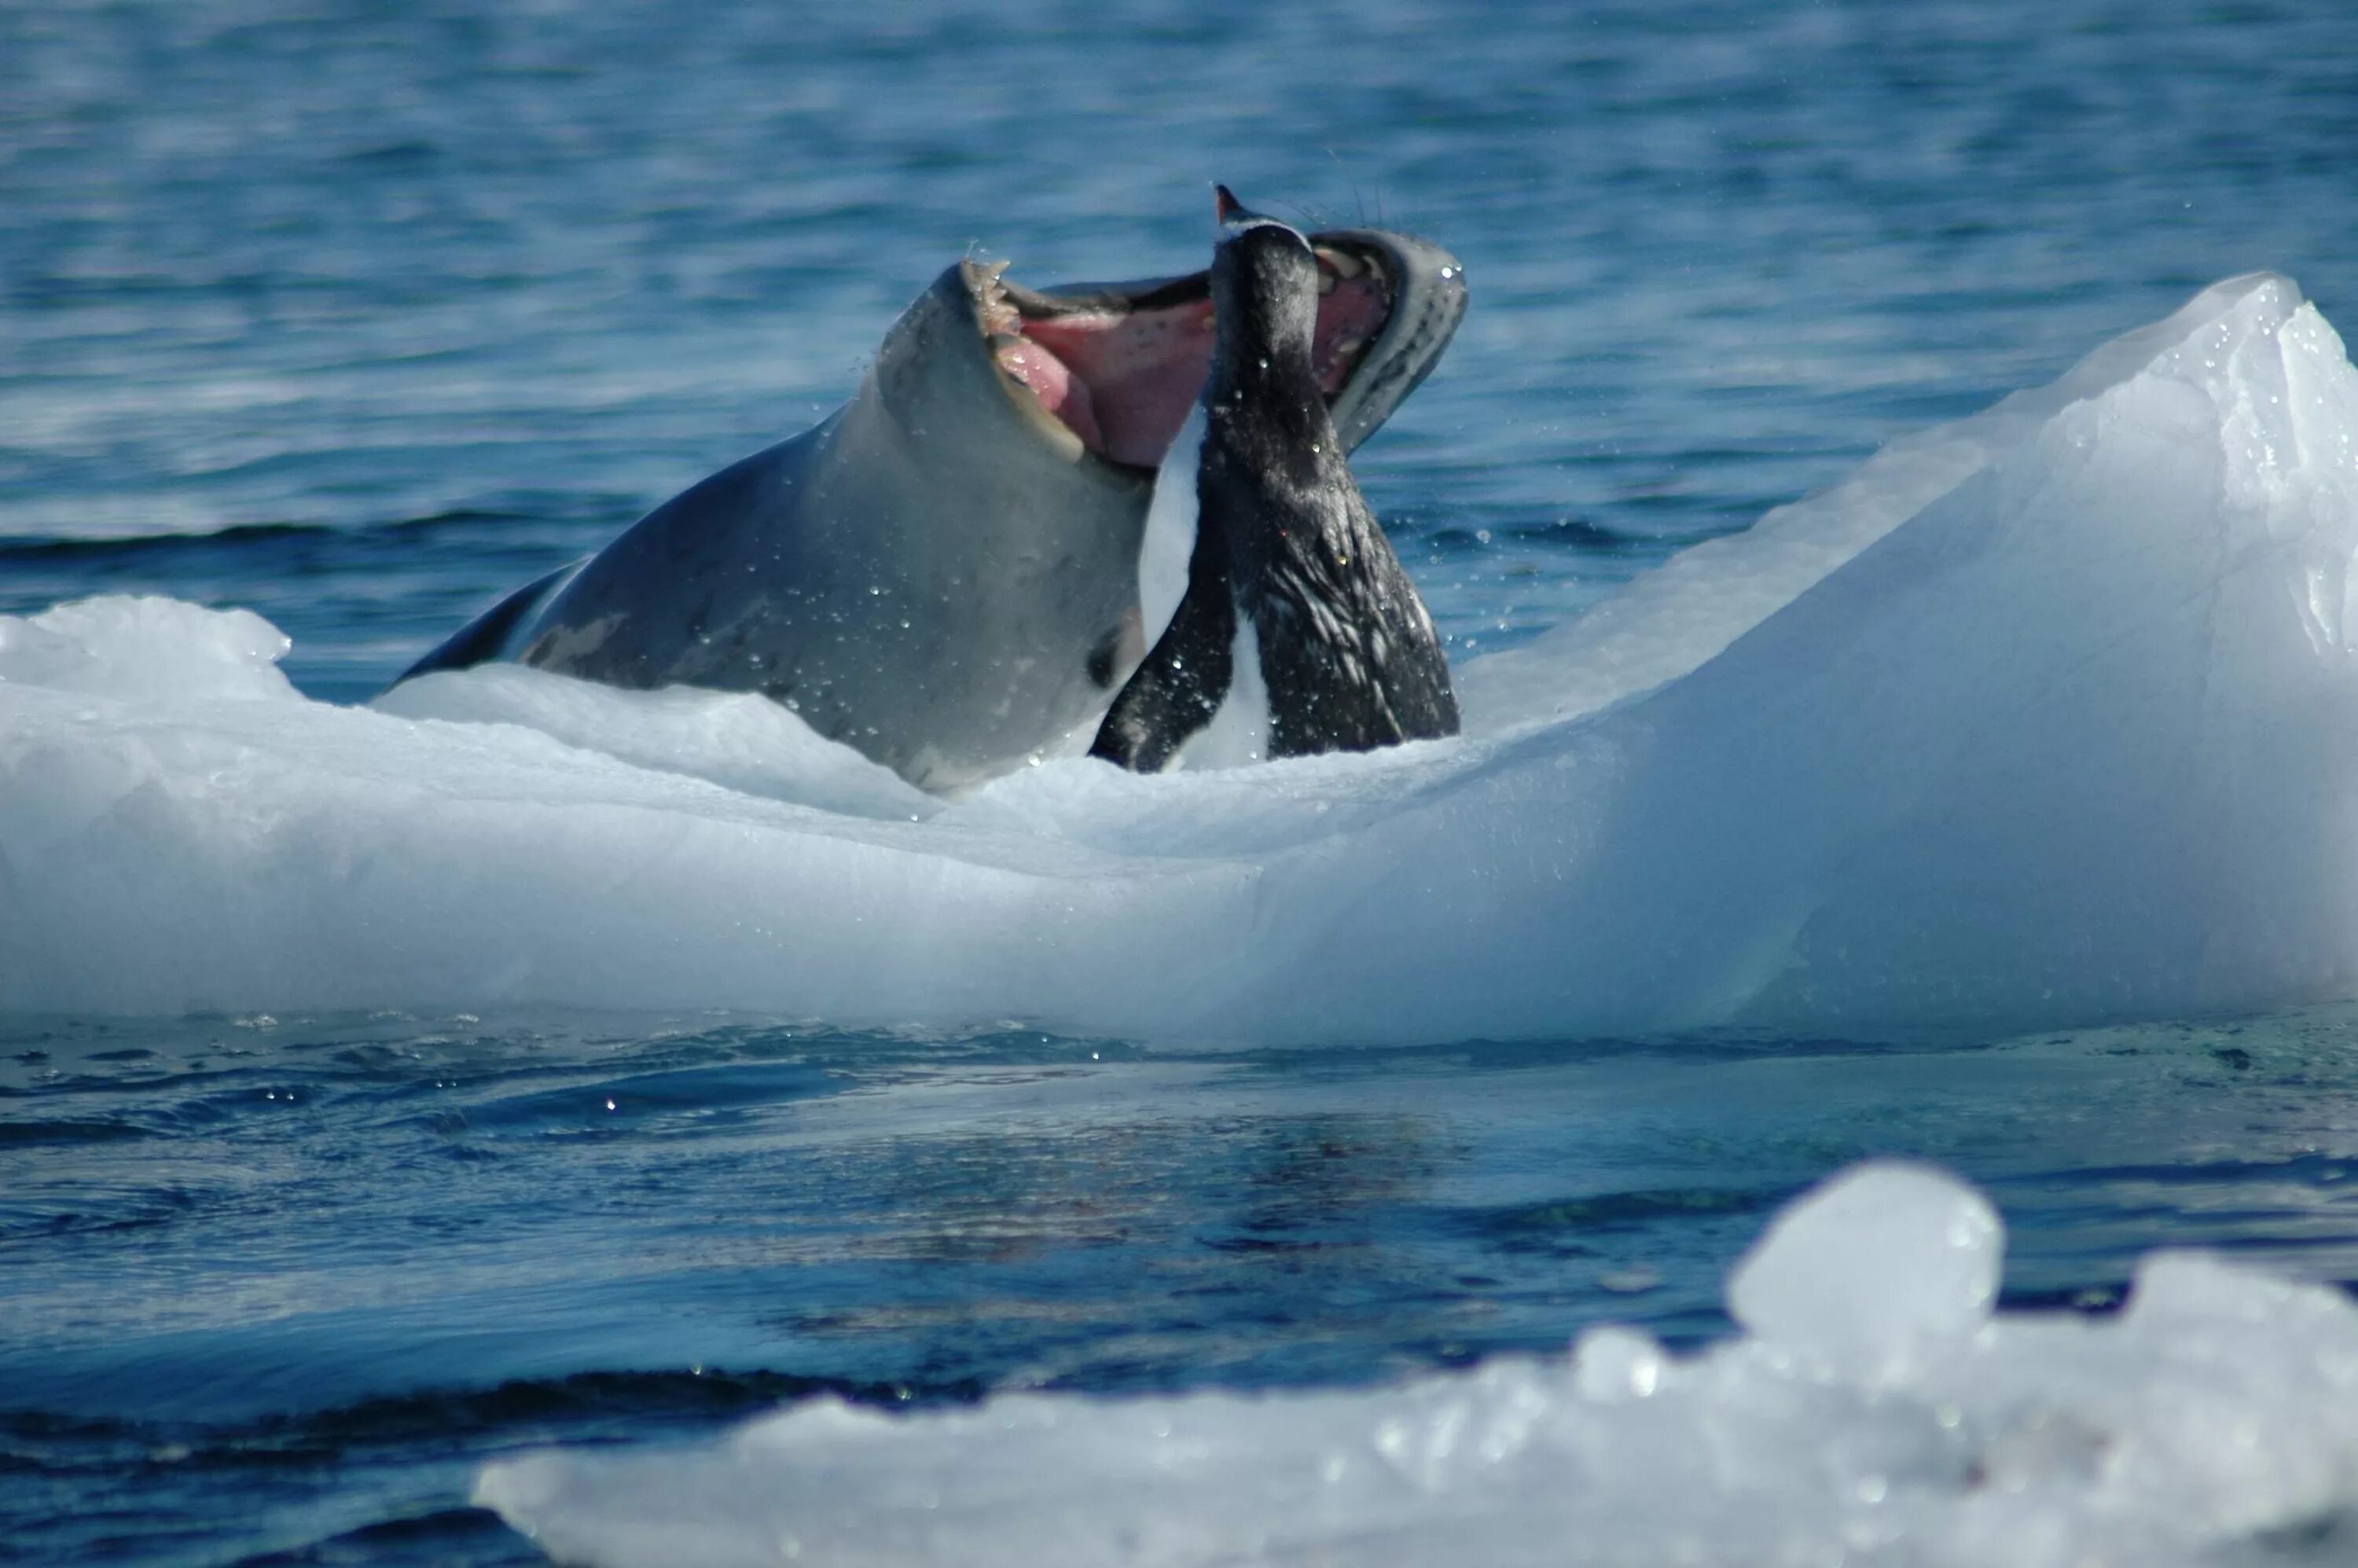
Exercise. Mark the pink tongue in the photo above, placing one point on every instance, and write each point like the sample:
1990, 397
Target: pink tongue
1347, 317
1143, 371
1123, 383
1060, 391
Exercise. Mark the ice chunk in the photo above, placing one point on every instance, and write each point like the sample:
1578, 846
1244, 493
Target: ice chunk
1616, 1362
1887, 1267
2213, 1421
2047, 717
1672, 621
154, 649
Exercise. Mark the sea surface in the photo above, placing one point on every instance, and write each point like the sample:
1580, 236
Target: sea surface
359, 315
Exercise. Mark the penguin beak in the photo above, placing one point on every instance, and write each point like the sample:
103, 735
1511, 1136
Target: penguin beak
1235, 217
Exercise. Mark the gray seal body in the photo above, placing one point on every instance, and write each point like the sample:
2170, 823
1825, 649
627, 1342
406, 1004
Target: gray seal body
944, 572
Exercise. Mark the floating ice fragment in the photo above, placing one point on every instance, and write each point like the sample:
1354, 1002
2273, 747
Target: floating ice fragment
1884, 1267
2214, 1421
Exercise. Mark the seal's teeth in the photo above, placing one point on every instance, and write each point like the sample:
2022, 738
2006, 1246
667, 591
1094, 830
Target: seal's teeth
1344, 264
1326, 281
991, 302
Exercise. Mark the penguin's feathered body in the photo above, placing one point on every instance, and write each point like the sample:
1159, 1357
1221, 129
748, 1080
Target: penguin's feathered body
1289, 571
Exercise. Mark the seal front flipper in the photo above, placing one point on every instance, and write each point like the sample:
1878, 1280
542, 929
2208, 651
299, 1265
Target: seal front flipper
491, 635
1181, 685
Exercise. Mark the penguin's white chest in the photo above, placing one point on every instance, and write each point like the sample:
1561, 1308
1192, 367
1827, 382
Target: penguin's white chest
1169, 541
1239, 732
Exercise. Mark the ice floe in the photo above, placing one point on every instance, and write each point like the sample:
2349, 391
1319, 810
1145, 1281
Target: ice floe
1874, 1411
2050, 715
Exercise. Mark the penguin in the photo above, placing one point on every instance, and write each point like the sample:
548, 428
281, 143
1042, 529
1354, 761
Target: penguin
1296, 631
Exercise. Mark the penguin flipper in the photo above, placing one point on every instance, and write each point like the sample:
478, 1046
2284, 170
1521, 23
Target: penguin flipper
1175, 692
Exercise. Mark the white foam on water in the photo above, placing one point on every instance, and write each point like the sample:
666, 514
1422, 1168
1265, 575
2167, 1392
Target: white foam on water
1876, 1411
2048, 716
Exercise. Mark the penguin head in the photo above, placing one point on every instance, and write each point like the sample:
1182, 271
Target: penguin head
1264, 283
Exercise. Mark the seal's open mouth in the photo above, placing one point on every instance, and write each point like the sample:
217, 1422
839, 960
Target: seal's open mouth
1121, 371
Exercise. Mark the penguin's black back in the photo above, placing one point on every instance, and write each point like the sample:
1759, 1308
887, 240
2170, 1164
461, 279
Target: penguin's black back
1283, 538
1347, 650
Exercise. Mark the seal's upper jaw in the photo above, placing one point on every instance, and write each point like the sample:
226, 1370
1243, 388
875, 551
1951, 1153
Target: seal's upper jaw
1359, 295
1425, 300
1114, 368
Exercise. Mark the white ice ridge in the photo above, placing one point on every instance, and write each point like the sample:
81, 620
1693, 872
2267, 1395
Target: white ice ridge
2045, 716
1874, 1411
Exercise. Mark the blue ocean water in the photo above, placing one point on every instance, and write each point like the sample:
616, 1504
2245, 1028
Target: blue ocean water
359, 314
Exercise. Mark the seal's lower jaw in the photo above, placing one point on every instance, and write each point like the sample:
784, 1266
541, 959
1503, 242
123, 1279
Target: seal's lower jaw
1117, 373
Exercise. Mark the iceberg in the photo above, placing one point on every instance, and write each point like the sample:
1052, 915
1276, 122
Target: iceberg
2048, 716
1874, 1409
